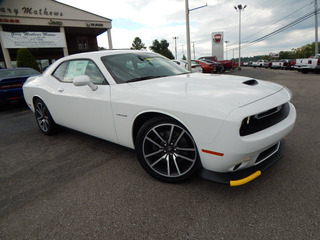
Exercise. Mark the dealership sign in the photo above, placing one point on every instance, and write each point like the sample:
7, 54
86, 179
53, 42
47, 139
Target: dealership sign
33, 39
217, 38
217, 45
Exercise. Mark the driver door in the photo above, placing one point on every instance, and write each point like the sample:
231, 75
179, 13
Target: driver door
82, 108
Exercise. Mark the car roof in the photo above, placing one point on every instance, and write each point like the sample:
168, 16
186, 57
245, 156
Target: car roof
105, 53
18, 68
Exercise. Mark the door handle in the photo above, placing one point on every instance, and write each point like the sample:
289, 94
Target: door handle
60, 90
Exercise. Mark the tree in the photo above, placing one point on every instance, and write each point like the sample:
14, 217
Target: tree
162, 48
137, 44
184, 57
26, 59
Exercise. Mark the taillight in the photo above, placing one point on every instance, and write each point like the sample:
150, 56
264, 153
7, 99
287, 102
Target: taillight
318, 62
7, 86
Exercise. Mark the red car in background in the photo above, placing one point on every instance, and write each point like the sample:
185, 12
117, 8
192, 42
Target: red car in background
227, 64
206, 66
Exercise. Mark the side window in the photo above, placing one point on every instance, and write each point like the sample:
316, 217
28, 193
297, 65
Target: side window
94, 73
61, 70
67, 71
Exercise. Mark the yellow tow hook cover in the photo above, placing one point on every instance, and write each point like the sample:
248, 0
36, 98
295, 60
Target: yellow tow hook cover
245, 180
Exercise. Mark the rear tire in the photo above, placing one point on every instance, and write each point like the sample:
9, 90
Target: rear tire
43, 118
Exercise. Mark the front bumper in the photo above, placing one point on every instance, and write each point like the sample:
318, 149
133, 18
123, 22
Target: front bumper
246, 175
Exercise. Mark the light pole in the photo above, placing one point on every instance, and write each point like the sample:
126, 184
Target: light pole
316, 27
187, 10
226, 49
194, 50
182, 49
239, 8
175, 46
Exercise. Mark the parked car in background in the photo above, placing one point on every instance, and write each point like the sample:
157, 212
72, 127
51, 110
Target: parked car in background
228, 128
306, 65
287, 64
277, 64
219, 68
184, 64
227, 64
11, 81
260, 63
207, 67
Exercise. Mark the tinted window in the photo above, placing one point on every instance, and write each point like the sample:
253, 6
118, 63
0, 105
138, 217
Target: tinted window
129, 67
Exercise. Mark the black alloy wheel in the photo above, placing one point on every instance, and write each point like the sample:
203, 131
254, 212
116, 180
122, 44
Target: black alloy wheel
43, 118
166, 150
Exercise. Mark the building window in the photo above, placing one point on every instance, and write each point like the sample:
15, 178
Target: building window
82, 43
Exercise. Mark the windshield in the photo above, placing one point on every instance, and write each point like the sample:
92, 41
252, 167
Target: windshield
130, 67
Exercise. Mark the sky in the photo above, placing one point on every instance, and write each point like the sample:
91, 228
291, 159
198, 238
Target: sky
165, 19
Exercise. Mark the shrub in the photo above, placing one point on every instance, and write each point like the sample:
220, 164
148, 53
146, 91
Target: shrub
26, 59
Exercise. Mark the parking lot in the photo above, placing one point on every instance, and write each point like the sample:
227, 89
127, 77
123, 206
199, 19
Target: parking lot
74, 186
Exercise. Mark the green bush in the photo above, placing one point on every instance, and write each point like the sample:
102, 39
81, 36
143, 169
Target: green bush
26, 59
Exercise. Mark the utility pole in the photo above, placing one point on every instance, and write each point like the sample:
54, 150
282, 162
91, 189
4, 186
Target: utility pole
316, 26
194, 51
175, 46
182, 48
239, 8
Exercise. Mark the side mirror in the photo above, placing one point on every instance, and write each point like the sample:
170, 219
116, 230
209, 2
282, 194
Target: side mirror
83, 81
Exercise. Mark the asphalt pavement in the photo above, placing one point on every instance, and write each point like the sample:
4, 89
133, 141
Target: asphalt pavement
74, 186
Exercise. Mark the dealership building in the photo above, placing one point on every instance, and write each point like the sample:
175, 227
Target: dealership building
49, 29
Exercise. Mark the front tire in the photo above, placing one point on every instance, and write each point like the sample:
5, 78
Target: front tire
43, 118
166, 150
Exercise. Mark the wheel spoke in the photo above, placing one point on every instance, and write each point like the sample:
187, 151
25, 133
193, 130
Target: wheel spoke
39, 112
178, 139
168, 164
162, 157
186, 149
171, 133
158, 135
176, 164
154, 153
44, 125
185, 158
147, 138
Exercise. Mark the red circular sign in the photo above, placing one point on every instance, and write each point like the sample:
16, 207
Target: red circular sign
217, 38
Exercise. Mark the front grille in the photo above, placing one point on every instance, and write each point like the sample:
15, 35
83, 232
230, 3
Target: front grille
264, 120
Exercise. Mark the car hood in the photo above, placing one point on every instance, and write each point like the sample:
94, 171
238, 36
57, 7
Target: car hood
231, 90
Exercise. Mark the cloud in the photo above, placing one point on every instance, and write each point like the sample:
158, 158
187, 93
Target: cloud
165, 19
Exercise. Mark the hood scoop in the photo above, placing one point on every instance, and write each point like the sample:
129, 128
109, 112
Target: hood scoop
251, 82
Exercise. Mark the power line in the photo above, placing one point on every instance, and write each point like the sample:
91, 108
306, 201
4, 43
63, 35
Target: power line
280, 20
299, 20
233, 43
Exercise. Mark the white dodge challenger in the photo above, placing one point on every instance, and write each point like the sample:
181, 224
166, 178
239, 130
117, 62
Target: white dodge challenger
227, 128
